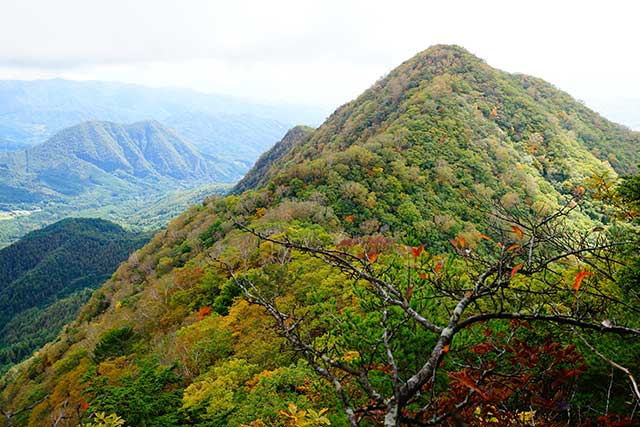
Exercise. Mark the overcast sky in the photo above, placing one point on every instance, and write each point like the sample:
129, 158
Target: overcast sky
316, 52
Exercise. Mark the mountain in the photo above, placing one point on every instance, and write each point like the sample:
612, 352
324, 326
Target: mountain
231, 137
258, 172
33, 111
48, 274
91, 152
419, 161
100, 164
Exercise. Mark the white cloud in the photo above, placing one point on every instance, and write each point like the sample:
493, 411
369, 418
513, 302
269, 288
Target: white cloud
315, 52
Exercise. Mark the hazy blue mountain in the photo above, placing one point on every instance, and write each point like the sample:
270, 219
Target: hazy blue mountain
96, 154
32, 111
233, 137
108, 170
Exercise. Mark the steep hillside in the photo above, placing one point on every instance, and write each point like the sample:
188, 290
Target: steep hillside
47, 275
399, 186
271, 159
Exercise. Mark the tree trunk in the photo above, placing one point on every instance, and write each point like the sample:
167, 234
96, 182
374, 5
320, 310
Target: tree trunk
8, 416
392, 415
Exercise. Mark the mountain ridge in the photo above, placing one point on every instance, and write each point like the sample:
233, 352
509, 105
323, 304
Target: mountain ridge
31, 111
623, 142
416, 162
96, 150
271, 157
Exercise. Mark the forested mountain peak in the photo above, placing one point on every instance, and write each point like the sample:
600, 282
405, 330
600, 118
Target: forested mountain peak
388, 266
141, 149
98, 153
106, 169
464, 101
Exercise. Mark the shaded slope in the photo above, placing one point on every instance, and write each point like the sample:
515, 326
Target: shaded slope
43, 278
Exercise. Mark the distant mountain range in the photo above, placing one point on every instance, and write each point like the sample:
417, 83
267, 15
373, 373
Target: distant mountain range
223, 126
47, 275
108, 170
104, 154
64, 151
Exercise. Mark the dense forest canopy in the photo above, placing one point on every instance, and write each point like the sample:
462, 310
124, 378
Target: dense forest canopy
450, 248
49, 274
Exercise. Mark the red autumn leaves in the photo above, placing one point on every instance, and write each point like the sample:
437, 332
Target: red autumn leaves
460, 244
516, 268
415, 251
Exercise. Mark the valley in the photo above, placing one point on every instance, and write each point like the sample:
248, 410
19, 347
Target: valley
455, 246
8, 215
101, 169
173, 146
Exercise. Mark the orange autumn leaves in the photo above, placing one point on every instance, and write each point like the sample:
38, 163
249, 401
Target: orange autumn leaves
459, 242
204, 312
518, 231
516, 268
579, 278
415, 251
463, 246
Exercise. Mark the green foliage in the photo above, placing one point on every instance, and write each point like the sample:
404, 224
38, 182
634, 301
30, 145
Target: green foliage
215, 391
256, 175
118, 172
205, 343
49, 274
114, 343
212, 233
228, 293
234, 393
149, 397
305, 418
96, 306
629, 192
101, 419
